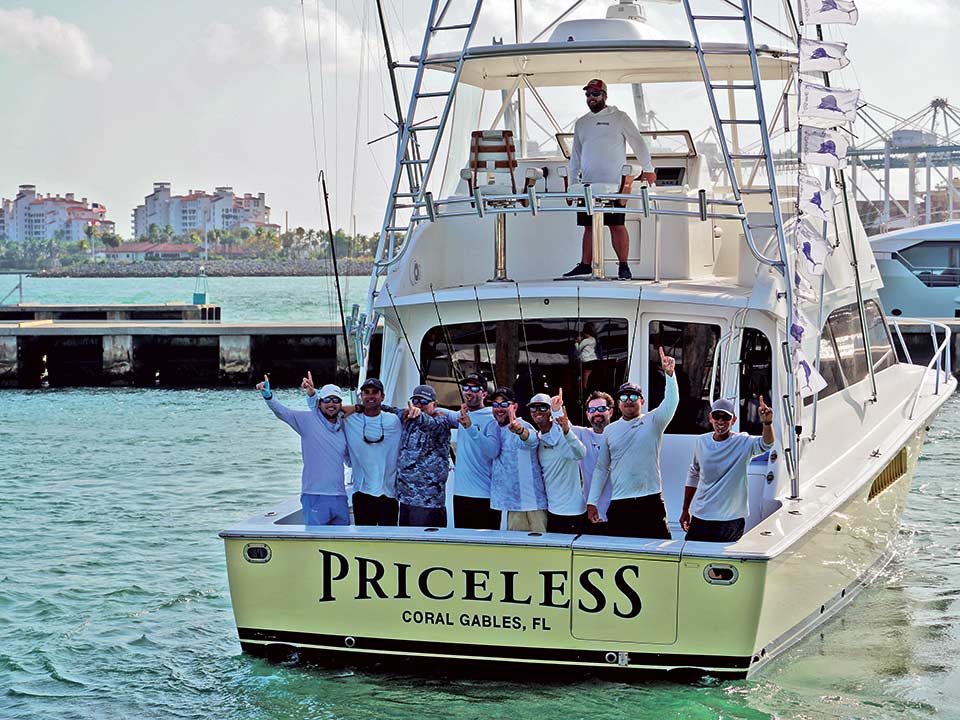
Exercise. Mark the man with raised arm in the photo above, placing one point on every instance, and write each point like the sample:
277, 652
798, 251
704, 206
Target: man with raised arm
629, 460
516, 486
717, 479
598, 156
599, 416
424, 461
471, 484
559, 452
324, 450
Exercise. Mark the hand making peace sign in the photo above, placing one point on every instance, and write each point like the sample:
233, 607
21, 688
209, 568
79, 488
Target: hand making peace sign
308, 385
464, 418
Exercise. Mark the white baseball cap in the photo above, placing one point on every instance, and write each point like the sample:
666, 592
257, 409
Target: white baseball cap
539, 399
329, 390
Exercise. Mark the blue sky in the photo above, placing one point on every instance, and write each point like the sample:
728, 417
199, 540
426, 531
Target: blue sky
104, 97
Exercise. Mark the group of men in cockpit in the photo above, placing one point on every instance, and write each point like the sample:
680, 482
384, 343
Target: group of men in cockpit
541, 475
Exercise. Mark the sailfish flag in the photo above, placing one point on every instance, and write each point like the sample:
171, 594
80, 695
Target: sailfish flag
814, 200
812, 249
804, 288
809, 381
819, 56
820, 104
800, 328
828, 12
823, 147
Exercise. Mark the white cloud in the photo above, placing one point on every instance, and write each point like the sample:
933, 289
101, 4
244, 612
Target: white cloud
276, 35
916, 10
45, 39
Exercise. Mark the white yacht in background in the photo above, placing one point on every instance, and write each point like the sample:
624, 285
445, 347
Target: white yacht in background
748, 295
920, 267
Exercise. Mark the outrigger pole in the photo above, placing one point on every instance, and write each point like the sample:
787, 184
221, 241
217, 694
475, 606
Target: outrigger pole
392, 71
336, 274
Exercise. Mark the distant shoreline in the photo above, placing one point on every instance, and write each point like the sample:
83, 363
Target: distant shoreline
213, 268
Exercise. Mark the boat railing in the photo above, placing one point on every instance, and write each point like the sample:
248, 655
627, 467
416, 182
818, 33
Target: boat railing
941, 362
700, 207
932, 276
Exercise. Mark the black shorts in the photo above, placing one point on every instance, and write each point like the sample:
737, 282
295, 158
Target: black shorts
475, 513
715, 530
568, 524
639, 517
610, 219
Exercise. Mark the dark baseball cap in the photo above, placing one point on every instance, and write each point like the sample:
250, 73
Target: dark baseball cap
474, 378
596, 84
629, 387
505, 393
425, 392
372, 382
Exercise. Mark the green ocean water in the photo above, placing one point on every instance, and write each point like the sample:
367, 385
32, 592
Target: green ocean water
114, 600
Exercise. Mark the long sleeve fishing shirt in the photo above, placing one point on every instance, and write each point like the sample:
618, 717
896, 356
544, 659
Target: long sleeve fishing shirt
599, 146
517, 482
473, 469
719, 472
424, 461
591, 441
374, 444
323, 446
560, 456
629, 458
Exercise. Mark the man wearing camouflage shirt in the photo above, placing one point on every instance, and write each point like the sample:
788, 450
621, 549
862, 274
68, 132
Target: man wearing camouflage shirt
424, 461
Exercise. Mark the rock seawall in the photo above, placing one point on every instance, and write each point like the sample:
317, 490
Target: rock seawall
214, 268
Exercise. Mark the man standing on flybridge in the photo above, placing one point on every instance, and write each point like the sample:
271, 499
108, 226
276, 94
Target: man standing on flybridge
598, 156
717, 478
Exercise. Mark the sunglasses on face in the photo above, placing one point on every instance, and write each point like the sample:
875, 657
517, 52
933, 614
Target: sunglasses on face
632, 397
332, 399
595, 93
471, 388
720, 416
420, 401
501, 404
539, 408
597, 409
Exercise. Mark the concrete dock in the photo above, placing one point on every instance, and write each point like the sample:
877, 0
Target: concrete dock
168, 354
116, 311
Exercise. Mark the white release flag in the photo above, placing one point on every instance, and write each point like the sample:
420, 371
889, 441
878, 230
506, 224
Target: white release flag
804, 288
809, 381
800, 328
812, 249
820, 104
827, 12
819, 56
823, 147
816, 202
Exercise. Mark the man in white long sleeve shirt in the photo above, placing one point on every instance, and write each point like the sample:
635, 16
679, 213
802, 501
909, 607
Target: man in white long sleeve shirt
599, 415
471, 485
598, 156
559, 452
717, 478
630, 461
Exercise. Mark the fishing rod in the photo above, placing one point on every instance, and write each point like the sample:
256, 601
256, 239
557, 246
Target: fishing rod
526, 344
633, 339
483, 327
403, 331
446, 340
336, 273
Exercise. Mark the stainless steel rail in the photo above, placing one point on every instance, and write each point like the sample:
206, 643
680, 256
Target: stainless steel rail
941, 355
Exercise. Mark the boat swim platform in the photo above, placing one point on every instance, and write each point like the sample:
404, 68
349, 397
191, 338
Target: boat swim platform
174, 354
111, 311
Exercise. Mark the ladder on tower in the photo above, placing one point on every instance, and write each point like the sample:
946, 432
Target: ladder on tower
743, 16
419, 139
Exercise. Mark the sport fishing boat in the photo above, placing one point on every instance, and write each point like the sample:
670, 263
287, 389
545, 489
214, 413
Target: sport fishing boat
920, 268
754, 282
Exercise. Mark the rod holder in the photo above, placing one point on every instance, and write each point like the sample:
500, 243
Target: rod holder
478, 201
645, 199
596, 264
702, 198
500, 249
431, 208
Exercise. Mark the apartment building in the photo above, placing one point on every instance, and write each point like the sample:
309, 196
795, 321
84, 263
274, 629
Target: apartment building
35, 216
199, 210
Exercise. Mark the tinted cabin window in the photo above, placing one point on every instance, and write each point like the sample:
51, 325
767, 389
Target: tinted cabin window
692, 345
844, 323
829, 364
881, 345
756, 375
538, 355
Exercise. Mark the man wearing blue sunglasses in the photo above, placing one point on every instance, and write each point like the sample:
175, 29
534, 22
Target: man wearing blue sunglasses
471, 490
629, 461
323, 446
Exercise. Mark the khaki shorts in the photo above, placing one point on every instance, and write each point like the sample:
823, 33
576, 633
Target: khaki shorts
527, 521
